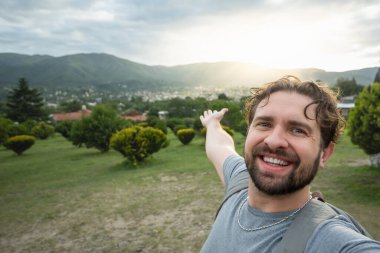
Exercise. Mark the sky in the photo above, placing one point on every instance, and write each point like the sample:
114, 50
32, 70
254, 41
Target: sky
334, 35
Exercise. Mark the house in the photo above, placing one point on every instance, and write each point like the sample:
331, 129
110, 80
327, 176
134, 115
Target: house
84, 112
134, 116
346, 104
163, 114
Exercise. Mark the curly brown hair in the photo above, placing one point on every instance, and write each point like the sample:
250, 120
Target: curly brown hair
328, 116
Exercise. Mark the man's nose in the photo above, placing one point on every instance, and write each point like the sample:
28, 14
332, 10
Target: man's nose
276, 139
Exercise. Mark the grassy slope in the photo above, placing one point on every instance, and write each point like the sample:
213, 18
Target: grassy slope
57, 197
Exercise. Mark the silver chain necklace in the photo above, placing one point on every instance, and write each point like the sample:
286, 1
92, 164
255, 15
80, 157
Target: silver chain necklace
270, 225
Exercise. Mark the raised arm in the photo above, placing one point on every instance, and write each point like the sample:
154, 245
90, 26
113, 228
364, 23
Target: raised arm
219, 144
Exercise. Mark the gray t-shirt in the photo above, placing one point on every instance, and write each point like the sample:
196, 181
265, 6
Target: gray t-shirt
334, 235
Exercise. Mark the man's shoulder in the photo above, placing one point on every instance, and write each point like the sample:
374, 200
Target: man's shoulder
339, 234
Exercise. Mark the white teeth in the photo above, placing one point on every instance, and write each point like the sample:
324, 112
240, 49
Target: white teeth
275, 161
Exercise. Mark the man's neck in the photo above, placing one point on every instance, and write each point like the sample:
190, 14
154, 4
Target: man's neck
277, 203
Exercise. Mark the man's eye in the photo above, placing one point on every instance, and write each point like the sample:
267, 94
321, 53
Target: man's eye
298, 131
263, 124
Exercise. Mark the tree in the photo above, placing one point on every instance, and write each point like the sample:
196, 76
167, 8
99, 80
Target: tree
348, 87
24, 103
364, 120
377, 77
97, 129
42, 131
222, 96
137, 143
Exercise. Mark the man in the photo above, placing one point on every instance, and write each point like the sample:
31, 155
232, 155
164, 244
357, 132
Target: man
292, 129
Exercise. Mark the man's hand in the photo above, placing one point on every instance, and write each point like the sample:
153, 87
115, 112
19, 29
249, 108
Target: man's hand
211, 117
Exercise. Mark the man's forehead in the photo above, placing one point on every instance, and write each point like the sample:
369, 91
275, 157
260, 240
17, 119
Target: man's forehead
290, 103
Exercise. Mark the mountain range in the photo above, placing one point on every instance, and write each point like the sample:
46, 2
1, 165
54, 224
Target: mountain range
108, 71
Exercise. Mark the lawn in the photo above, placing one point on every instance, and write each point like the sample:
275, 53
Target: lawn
59, 198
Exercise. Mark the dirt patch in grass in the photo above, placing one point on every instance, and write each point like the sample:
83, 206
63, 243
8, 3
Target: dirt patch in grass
164, 214
357, 162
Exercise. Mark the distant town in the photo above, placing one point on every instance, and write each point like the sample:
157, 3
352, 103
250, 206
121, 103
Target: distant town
92, 96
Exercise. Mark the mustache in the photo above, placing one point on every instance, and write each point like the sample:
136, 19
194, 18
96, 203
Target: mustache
260, 149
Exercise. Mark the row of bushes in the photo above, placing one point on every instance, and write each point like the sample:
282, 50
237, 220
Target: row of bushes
103, 130
20, 137
40, 130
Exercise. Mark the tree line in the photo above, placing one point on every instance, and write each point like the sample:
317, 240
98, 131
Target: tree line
25, 111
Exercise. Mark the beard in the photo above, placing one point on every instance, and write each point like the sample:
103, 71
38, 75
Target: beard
272, 184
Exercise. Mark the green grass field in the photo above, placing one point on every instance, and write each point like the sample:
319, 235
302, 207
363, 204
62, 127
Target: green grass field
59, 198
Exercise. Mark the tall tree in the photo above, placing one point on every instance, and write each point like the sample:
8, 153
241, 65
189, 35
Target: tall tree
364, 122
24, 103
377, 77
348, 87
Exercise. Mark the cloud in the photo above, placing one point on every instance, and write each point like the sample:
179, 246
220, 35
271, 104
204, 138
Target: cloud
173, 32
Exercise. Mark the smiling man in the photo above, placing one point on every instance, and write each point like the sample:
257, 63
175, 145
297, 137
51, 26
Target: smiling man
292, 129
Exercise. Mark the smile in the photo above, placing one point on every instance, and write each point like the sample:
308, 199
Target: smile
275, 161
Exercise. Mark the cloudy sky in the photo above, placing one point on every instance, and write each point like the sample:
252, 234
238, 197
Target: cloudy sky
329, 34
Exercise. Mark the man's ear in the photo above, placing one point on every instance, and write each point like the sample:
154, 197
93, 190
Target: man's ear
326, 154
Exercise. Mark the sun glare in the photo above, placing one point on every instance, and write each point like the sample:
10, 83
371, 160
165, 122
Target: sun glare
275, 41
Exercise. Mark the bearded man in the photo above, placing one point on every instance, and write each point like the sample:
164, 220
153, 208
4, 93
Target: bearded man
292, 129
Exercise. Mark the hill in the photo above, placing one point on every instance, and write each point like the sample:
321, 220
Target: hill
103, 70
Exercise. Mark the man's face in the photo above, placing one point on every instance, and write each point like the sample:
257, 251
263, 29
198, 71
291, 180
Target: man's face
283, 147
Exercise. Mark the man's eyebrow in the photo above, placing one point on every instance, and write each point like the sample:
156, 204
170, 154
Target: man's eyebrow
264, 118
301, 124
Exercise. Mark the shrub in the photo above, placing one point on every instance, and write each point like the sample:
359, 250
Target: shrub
17, 129
189, 122
364, 120
19, 143
42, 131
242, 127
97, 129
179, 127
143, 124
64, 128
78, 134
137, 143
173, 122
155, 122
186, 135
29, 124
229, 130
4, 127
197, 124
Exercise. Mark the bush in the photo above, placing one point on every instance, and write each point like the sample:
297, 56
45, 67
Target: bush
42, 131
4, 129
64, 128
17, 129
197, 124
29, 124
19, 143
186, 135
137, 143
179, 127
78, 134
155, 122
173, 122
143, 124
364, 120
189, 122
97, 129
